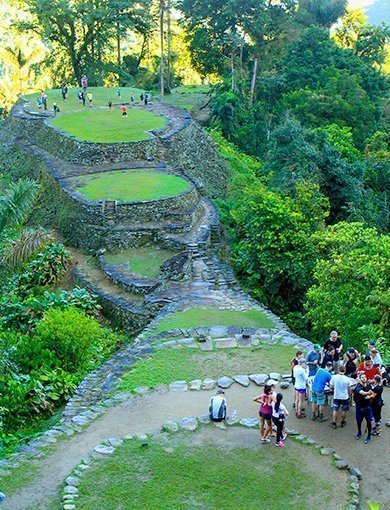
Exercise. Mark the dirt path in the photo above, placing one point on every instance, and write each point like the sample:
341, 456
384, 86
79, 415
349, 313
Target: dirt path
149, 412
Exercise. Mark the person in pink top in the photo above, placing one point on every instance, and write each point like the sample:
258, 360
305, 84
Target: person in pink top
265, 412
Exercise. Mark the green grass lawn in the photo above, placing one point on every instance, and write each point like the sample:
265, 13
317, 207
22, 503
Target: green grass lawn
130, 185
167, 364
188, 471
145, 261
187, 97
101, 96
103, 125
195, 317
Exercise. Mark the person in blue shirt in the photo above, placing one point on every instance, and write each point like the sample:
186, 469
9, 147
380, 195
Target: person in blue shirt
321, 378
313, 359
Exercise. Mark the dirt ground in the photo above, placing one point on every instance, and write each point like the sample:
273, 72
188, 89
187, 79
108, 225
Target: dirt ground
146, 414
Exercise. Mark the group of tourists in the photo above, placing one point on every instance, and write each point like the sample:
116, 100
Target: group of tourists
323, 374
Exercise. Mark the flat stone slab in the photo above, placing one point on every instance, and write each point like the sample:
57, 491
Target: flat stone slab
292, 432
356, 472
342, 464
326, 451
71, 489
249, 422
188, 342
255, 341
220, 425
178, 386
190, 423
242, 379
206, 346
258, 379
79, 420
104, 450
204, 419
195, 385
141, 390
114, 441
218, 331
73, 480
225, 343
244, 342
225, 382
274, 375
208, 384
170, 426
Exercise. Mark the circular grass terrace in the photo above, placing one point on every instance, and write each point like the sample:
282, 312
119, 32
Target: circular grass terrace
209, 469
145, 261
107, 126
129, 185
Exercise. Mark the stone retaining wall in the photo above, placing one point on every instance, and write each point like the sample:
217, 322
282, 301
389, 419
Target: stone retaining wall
37, 130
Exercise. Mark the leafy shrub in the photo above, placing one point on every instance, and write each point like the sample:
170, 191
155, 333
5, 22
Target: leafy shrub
76, 339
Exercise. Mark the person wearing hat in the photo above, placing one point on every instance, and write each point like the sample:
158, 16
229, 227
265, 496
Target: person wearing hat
313, 359
370, 346
321, 379
350, 361
301, 374
218, 408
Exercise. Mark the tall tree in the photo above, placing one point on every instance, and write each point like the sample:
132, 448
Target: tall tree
321, 12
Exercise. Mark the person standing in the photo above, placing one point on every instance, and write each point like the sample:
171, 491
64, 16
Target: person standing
110, 105
279, 413
124, 111
301, 376
369, 370
84, 83
363, 394
313, 359
328, 356
56, 109
321, 379
377, 404
64, 92
44, 100
340, 384
146, 99
218, 408
132, 96
370, 346
265, 413
350, 361
90, 98
83, 97
141, 97
376, 358
118, 92
335, 342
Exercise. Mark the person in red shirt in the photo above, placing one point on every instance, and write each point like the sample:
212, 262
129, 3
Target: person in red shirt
124, 111
368, 368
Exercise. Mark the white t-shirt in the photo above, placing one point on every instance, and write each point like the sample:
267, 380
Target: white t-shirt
301, 376
341, 383
282, 410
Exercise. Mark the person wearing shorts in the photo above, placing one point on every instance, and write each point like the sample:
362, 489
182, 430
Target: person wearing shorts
341, 385
301, 375
321, 379
265, 413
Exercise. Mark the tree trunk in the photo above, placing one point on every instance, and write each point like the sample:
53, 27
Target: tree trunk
118, 50
233, 72
253, 83
169, 65
162, 7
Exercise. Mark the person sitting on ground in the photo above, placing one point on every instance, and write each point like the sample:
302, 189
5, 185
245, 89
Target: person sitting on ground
368, 368
321, 379
56, 109
335, 342
313, 359
279, 413
376, 358
301, 376
328, 356
340, 384
218, 408
371, 345
350, 361
363, 395
377, 404
265, 413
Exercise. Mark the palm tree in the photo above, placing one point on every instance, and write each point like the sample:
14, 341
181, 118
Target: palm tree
16, 202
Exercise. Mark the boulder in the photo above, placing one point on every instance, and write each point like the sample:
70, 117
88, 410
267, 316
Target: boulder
342, 464
195, 385
258, 379
178, 386
242, 379
204, 419
208, 384
170, 426
104, 450
274, 375
190, 423
225, 382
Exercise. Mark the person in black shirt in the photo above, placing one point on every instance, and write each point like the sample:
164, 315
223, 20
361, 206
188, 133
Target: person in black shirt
328, 356
363, 395
377, 404
334, 341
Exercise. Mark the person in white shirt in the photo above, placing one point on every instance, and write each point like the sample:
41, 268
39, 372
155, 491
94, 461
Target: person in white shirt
376, 358
301, 374
341, 385
218, 409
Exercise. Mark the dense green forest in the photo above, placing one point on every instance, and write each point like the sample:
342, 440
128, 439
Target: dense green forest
298, 101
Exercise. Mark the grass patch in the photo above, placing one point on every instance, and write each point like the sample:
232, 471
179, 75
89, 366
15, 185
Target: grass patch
101, 96
195, 317
144, 261
187, 97
196, 473
130, 185
167, 365
106, 126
